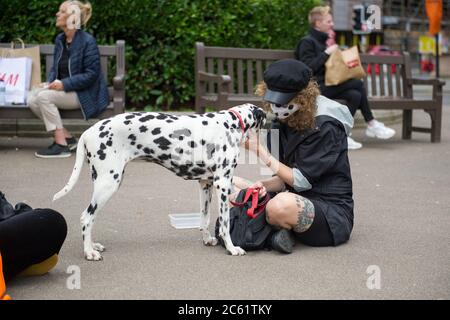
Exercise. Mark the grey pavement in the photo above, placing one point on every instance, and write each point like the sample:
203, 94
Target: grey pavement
402, 229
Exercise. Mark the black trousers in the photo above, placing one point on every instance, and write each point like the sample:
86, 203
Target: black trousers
354, 93
30, 238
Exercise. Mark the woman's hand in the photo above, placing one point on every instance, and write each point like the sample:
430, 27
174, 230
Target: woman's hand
331, 49
43, 85
260, 186
56, 85
255, 145
252, 143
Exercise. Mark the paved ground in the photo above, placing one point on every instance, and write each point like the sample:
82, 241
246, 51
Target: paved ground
402, 226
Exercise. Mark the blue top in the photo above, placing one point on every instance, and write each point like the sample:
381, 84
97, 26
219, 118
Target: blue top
85, 74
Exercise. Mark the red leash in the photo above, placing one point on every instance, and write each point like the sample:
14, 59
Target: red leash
254, 193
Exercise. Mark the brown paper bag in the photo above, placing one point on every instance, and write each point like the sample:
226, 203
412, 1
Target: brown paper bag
32, 52
342, 66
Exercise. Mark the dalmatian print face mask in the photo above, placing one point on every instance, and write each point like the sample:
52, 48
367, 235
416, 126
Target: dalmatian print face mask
282, 111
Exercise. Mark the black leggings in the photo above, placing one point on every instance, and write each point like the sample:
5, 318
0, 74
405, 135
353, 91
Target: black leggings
30, 238
354, 93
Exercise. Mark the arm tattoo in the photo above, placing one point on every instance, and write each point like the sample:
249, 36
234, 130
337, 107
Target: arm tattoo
306, 214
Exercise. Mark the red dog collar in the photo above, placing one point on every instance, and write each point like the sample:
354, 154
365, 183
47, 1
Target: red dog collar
241, 122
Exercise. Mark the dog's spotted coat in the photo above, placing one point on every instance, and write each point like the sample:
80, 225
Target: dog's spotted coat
203, 147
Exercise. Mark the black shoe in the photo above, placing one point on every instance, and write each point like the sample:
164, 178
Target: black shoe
282, 241
54, 151
6, 209
22, 207
72, 143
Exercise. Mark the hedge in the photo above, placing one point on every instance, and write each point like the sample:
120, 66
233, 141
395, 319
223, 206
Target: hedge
160, 35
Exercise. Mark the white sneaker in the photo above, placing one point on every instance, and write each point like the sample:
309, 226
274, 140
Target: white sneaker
379, 130
352, 144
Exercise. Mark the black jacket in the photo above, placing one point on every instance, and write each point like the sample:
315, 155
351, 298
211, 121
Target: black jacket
311, 51
321, 156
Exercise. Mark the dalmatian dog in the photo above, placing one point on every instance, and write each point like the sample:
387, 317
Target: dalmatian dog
203, 147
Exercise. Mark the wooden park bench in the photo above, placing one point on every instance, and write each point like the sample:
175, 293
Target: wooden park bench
225, 77
110, 56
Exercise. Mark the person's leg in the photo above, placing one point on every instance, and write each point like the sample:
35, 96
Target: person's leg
290, 211
31, 101
319, 234
49, 101
30, 238
66, 101
353, 99
332, 92
340, 92
364, 103
294, 212
35, 108
375, 129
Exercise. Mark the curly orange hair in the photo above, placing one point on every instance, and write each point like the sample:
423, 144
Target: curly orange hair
304, 118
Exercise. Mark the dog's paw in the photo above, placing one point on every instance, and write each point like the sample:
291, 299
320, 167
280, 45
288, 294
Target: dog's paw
93, 255
210, 241
98, 247
236, 251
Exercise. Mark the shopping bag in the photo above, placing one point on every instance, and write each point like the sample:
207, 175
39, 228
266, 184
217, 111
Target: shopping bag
16, 74
32, 52
342, 66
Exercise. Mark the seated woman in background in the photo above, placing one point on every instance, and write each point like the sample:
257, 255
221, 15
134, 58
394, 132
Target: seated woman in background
314, 50
75, 80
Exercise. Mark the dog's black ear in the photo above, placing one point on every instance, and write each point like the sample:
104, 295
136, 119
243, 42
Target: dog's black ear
260, 117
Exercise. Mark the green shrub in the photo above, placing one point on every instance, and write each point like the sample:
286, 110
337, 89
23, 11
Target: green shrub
160, 35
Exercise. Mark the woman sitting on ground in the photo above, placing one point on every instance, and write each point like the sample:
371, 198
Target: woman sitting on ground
311, 189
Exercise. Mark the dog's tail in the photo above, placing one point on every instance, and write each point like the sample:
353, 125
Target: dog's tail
76, 170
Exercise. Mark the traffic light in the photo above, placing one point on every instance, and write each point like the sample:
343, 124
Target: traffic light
359, 18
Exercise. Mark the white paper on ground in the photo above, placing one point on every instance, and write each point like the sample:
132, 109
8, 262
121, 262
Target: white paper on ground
185, 220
